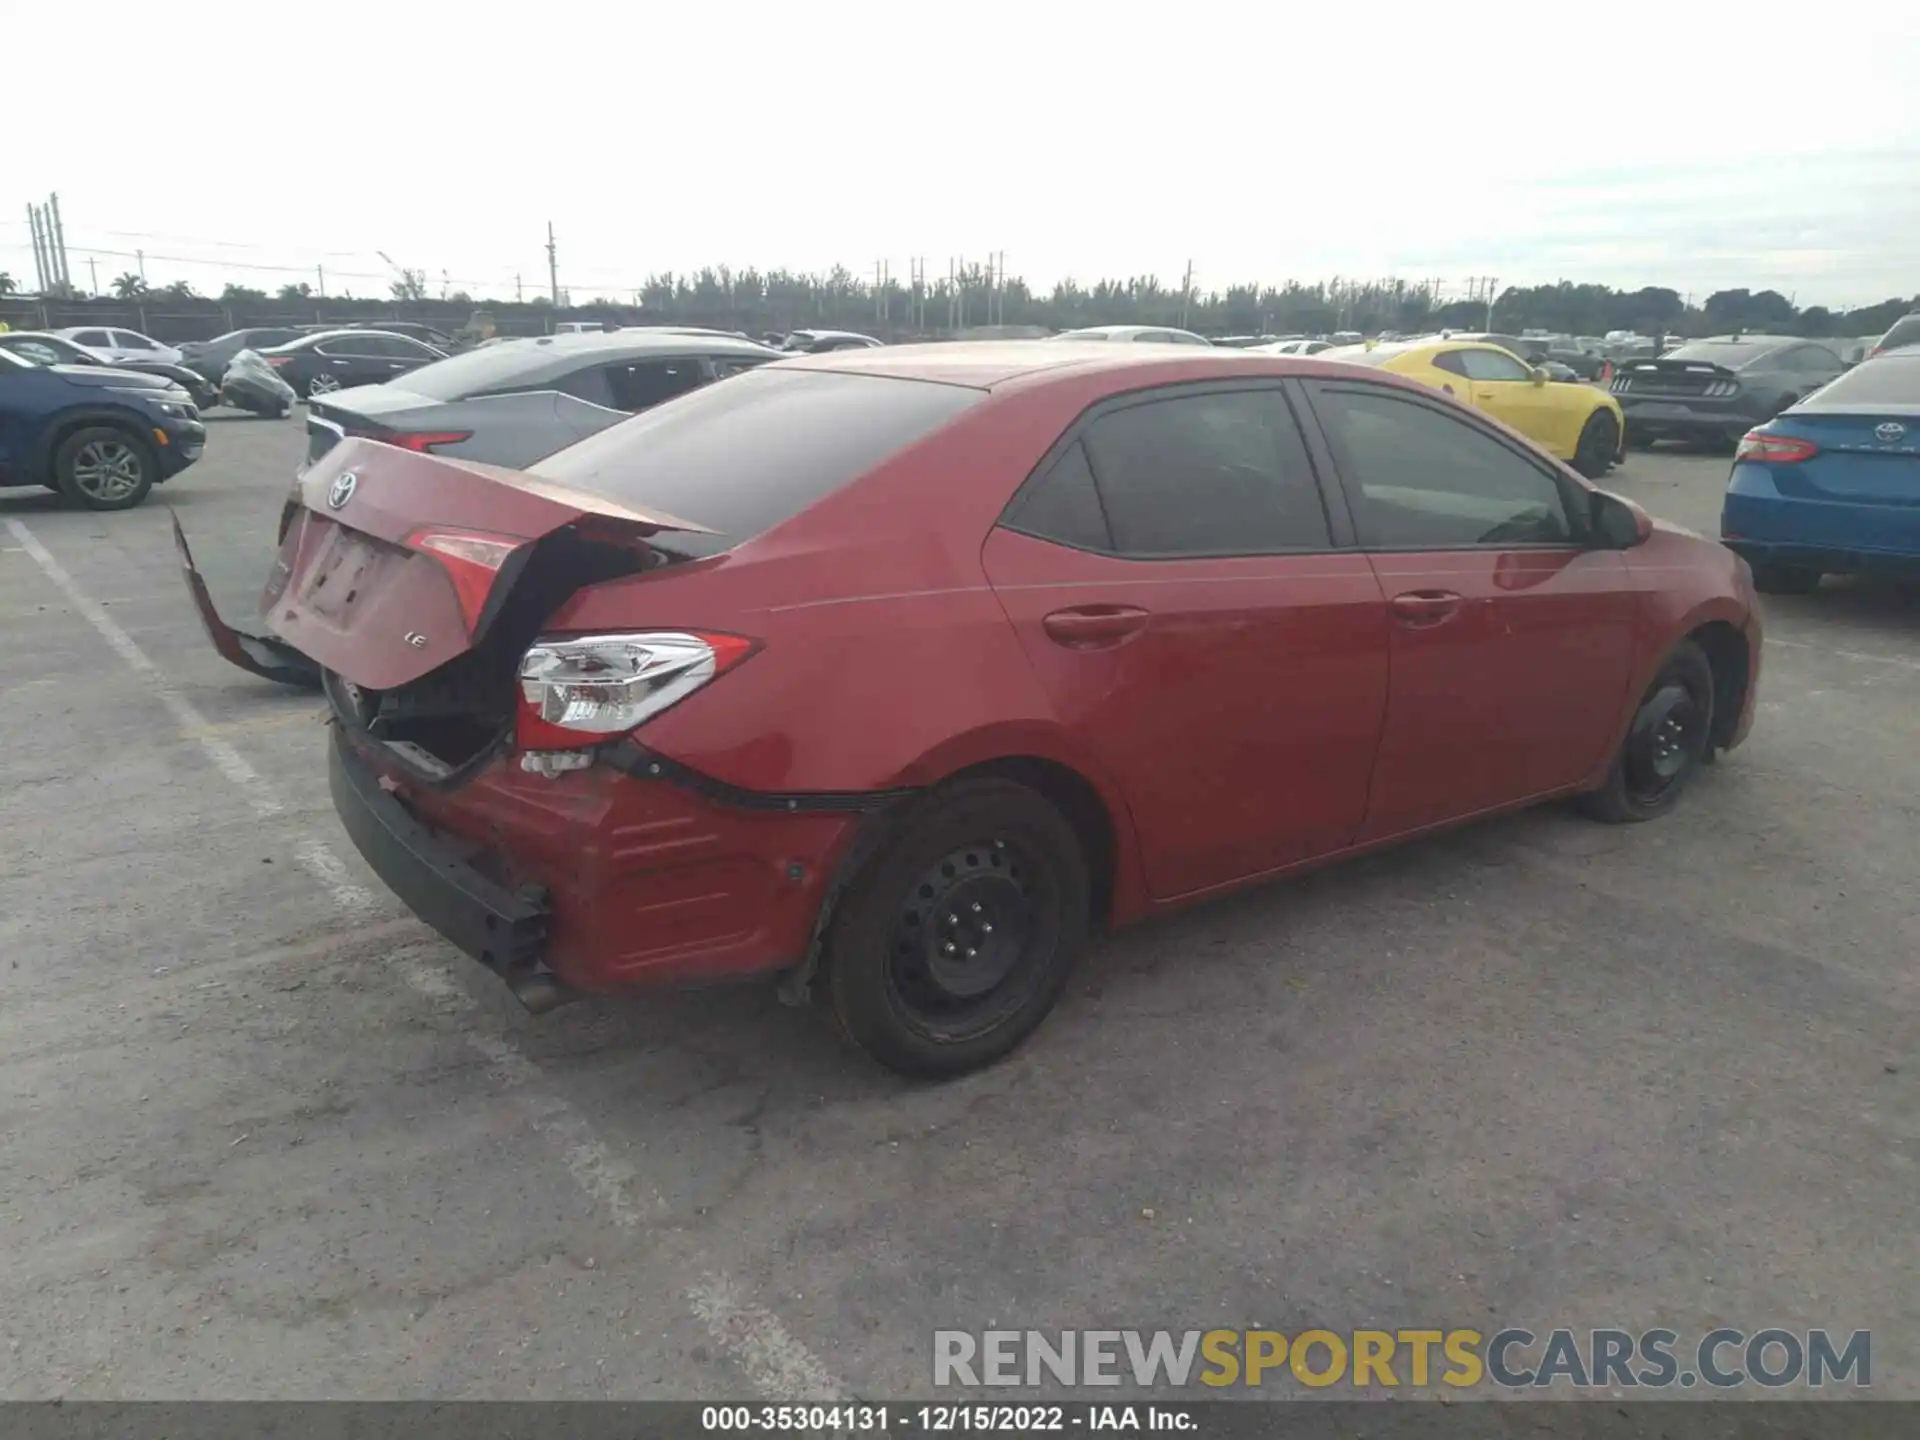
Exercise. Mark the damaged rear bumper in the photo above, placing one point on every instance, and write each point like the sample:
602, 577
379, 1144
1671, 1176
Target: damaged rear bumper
260, 655
505, 930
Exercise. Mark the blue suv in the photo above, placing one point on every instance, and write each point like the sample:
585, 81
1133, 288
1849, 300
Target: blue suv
102, 438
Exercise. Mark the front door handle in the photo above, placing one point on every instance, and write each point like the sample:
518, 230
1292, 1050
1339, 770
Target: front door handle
1092, 627
1425, 607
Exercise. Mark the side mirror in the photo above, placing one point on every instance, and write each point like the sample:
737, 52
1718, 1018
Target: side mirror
1539, 375
1618, 524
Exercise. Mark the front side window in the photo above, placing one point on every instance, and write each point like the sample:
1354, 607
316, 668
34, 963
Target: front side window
1492, 365
1212, 473
127, 340
1423, 480
92, 337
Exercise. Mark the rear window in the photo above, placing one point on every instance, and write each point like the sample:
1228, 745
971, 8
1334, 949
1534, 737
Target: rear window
1889, 380
490, 368
1904, 332
1730, 353
743, 456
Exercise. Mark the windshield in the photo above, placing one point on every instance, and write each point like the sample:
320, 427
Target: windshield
743, 455
1890, 380
1904, 332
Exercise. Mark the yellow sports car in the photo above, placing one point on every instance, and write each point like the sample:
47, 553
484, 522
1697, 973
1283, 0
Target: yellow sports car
1572, 419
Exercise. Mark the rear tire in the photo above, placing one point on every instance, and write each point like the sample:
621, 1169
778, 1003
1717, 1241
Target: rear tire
957, 938
1786, 579
102, 467
1599, 443
1666, 743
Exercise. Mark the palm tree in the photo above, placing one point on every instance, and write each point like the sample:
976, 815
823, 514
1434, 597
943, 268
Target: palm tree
7, 287
129, 286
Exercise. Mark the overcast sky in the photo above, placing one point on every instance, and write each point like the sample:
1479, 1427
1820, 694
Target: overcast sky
1675, 144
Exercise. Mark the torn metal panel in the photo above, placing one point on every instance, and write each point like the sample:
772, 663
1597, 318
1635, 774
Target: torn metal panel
257, 654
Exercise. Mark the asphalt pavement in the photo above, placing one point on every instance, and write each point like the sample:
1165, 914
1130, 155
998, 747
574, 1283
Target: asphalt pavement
262, 1135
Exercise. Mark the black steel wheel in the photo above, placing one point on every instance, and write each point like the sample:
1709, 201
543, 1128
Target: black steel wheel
1599, 443
956, 940
1666, 743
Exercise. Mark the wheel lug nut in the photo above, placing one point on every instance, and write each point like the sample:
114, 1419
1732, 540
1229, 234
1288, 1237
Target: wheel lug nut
972, 953
948, 948
986, 928
953, 919
976, 907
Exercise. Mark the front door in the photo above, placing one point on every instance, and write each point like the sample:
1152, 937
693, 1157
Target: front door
1500, 384
1174, 580
1512, 639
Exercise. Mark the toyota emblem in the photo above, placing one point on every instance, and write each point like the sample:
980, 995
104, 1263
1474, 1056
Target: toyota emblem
1891, 433
341, 491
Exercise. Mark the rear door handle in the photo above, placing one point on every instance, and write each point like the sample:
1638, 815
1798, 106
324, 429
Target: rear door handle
1092, 627
1425, 607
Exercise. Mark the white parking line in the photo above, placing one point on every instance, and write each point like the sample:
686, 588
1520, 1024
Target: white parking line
752, 1337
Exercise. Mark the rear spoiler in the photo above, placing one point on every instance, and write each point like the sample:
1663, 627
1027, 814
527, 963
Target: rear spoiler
1652, 366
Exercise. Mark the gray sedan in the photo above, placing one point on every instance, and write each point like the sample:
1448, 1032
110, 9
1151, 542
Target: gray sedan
515, 403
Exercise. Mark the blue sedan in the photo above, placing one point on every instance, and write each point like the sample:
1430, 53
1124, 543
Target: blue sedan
1832, 485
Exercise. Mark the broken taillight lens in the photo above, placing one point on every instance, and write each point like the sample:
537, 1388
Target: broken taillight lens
472, 560
583, 690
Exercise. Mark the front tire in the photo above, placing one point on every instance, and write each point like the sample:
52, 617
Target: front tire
1598, 445
1666, 743
101, 467
957, 939
323, 384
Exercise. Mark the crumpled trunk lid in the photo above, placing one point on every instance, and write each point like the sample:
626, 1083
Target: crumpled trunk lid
362, 589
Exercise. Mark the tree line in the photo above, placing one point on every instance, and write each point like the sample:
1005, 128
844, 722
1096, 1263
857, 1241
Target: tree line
781, 300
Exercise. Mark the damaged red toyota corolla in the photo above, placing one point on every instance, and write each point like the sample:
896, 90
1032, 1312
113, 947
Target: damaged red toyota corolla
899, 670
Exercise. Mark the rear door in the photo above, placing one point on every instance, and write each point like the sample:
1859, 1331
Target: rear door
1511, 640
1193, 609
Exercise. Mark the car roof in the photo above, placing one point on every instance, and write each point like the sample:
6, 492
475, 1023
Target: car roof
357, 331
986, 364
614, 343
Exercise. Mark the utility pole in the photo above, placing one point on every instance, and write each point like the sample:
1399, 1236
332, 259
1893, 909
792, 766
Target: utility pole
93, 277
141, 256
39, 253
320, 274
553, 266
1186, 295
1493, 285
517, 296
60, 241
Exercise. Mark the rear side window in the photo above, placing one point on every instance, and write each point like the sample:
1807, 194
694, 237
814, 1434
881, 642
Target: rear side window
1492, 365
742, 457
1064, 505
637, 385
1216, 473
90, 337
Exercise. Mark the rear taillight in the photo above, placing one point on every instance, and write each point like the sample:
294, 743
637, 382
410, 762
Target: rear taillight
581, 691
1722, 387
1876, 350
423, 441
473, 562
1774, 449
276, 361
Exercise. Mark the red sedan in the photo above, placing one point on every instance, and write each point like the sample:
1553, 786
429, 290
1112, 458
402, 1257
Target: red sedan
898, 671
